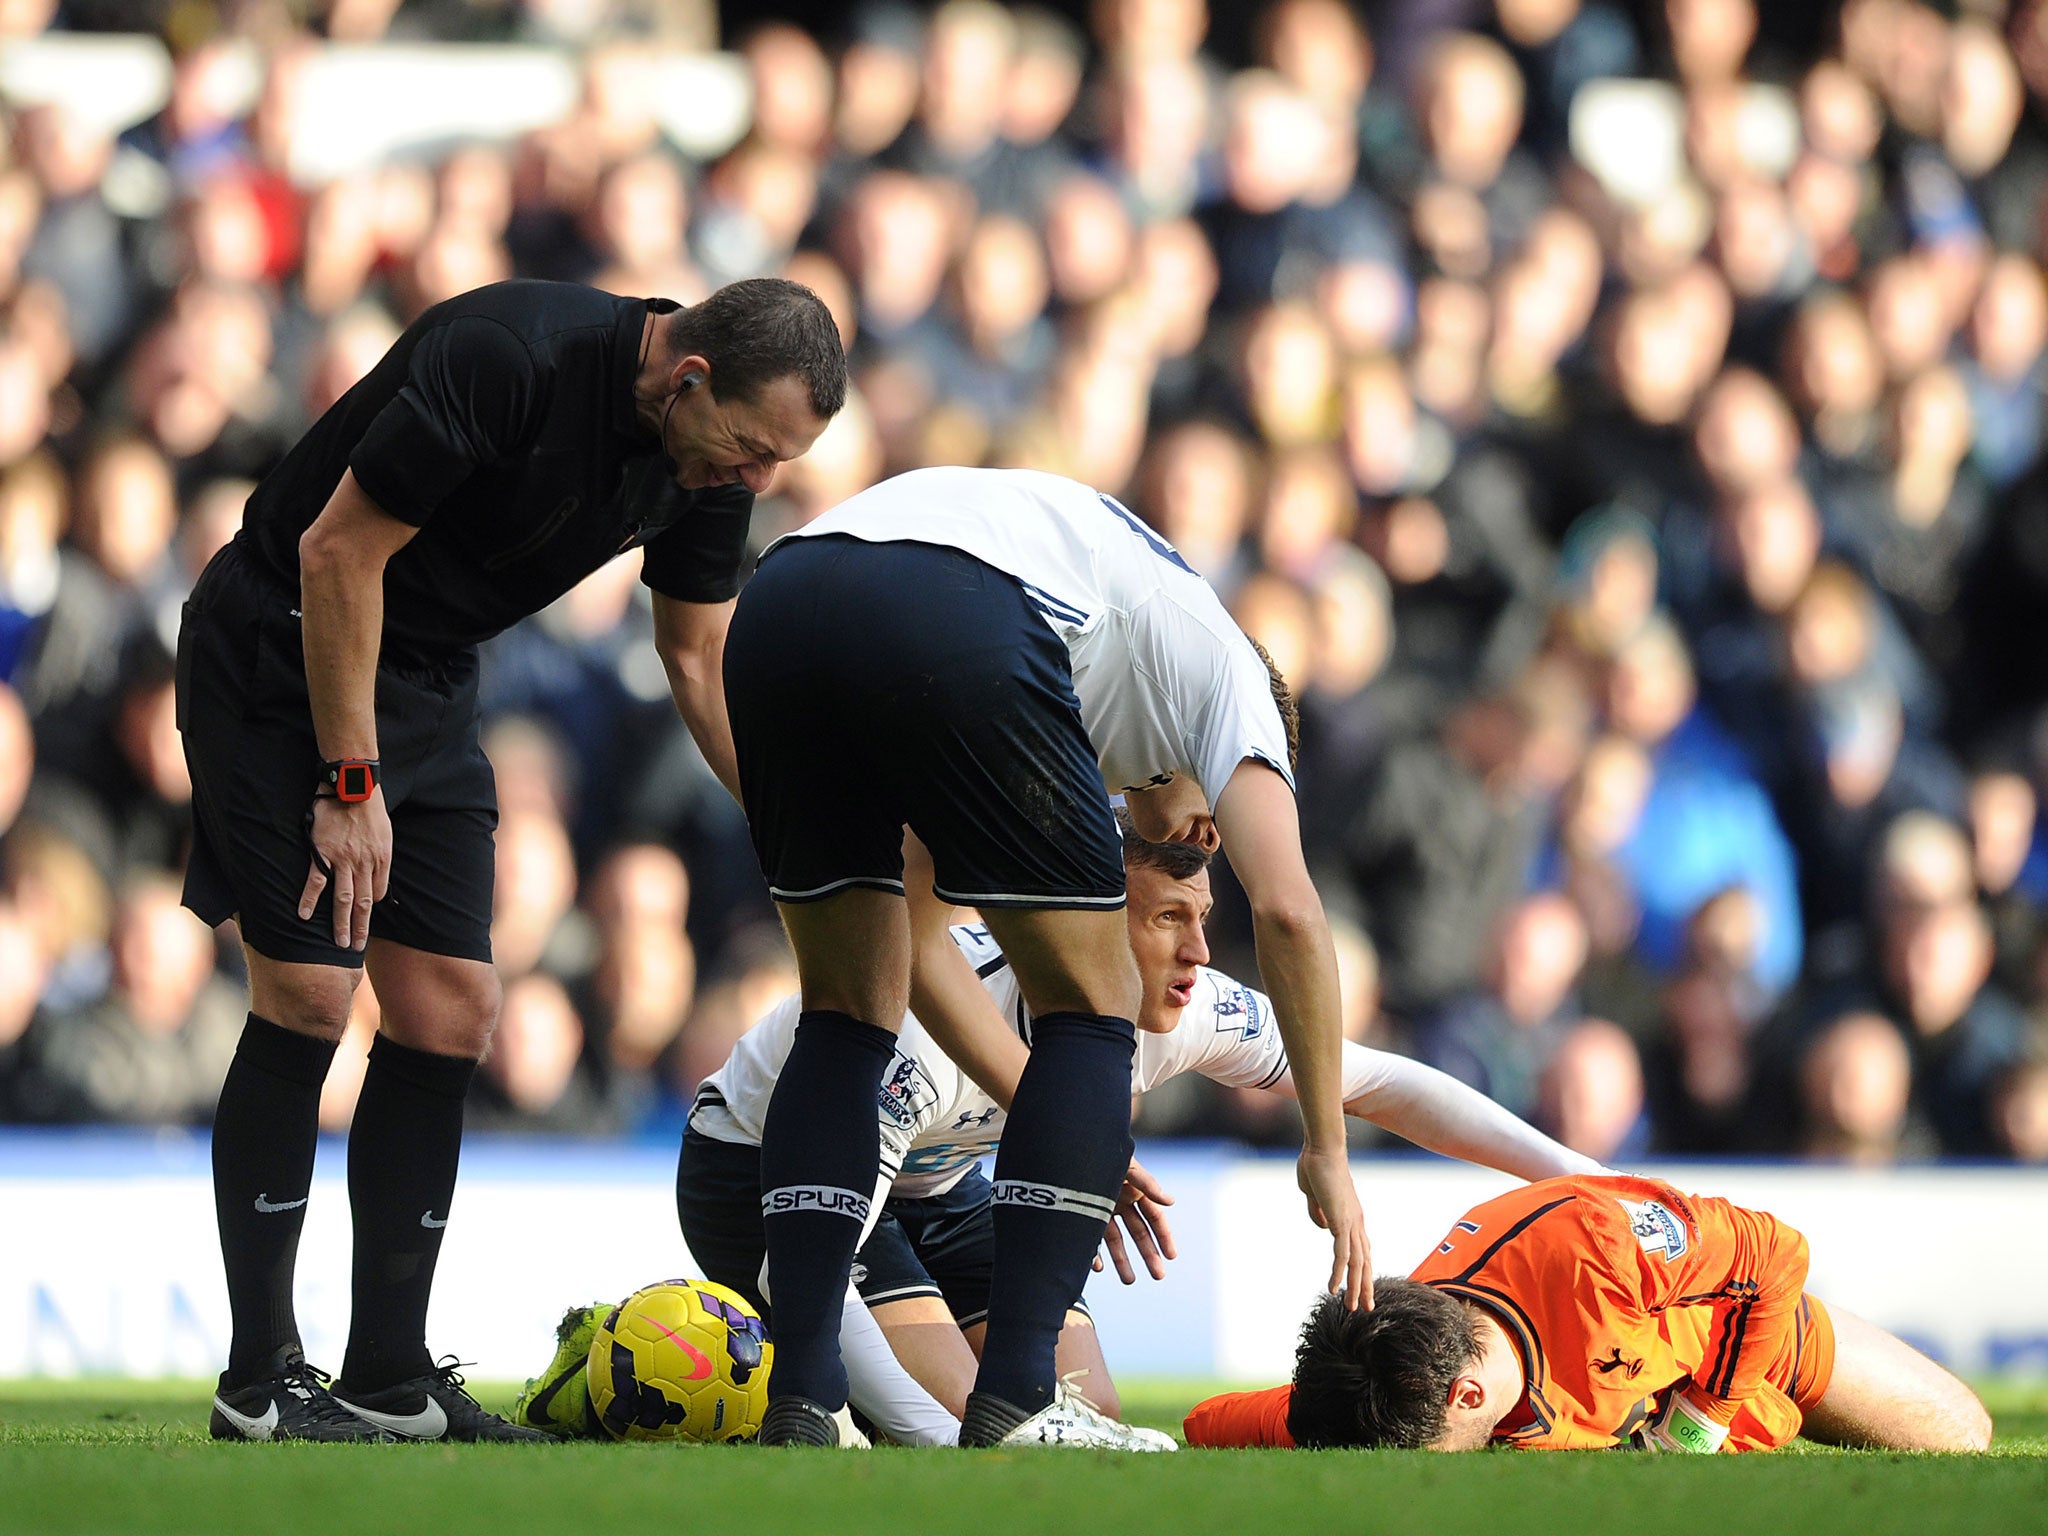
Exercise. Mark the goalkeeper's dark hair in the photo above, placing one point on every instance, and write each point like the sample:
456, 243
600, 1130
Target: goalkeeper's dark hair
760, 329
1176, 861
1379, 1378
1283, 700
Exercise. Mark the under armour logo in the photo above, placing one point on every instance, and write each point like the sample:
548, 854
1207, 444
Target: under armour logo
969, 1117
1609, 1367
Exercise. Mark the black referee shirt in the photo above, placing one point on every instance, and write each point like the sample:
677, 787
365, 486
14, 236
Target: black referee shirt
502, 425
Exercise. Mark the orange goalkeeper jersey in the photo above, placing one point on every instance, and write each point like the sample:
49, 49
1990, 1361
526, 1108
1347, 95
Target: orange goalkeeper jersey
1615, 1290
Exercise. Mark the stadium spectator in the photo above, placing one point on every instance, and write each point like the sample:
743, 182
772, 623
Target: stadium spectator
1591, 1093
1856, 1085
155, 1048
532, 1080
1964, 1031
1436, 849
1503, 1037
1340, 304
22, 1093
2019, 1113
1701, 823
1701, 1068
2003, 815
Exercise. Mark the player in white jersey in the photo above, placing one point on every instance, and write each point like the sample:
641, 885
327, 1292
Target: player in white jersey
923, 1270
978, 654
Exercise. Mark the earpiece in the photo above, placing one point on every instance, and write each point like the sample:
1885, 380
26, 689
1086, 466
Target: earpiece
692, 380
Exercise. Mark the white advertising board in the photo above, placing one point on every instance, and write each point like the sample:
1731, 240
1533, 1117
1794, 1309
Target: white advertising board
109, 1263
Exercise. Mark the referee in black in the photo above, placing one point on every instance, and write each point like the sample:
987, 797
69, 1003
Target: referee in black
513, 440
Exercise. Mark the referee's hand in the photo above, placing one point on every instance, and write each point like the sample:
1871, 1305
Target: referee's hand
351, 851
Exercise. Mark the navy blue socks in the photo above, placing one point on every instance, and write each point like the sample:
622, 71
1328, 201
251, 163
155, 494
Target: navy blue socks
264, 1130
821, 1150
1058, 1174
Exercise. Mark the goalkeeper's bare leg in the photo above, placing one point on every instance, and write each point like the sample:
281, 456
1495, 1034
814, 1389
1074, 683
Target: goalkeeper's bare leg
1886, 1395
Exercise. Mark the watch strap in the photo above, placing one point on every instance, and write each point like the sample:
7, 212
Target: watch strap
350, 780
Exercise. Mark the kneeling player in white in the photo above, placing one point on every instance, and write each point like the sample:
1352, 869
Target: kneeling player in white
924, 1263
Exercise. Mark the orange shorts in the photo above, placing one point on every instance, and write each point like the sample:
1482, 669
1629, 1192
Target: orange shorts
1799, 1375
1806, 1364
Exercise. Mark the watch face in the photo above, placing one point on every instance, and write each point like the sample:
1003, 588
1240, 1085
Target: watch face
354, 782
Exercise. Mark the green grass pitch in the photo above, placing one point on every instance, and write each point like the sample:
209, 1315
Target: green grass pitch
102, 1456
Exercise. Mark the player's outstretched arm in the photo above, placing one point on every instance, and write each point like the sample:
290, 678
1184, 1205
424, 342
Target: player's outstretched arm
1261, 831
1437, 1112
690, 638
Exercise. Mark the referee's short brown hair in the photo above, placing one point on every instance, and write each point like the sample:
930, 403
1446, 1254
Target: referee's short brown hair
760, 329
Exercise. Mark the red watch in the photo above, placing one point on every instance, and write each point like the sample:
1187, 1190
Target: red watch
351, 780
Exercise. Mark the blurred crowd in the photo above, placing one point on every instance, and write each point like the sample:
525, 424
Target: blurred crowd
1660, 550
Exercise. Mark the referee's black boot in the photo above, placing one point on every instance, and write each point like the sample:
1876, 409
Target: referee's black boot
433, 1407
289, 1401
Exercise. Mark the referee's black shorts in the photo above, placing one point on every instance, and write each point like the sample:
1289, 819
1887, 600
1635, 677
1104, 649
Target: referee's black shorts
248, 732
877, 685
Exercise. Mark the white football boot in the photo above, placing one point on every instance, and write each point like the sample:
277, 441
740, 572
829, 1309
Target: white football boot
1071, 1420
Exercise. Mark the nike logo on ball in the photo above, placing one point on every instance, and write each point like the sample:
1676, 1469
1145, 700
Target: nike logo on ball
267, 1208
427, 1221
700, 1363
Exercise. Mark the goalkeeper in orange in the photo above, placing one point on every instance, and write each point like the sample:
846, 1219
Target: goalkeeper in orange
1597, 1312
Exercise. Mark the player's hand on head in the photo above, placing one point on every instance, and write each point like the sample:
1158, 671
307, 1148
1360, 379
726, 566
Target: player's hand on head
351, 854
1325, 1177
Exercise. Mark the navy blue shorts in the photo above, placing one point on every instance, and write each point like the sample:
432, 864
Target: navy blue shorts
874, 686
934, 1245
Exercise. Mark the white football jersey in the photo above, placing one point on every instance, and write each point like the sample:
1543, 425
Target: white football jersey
936, 1123
1168, 683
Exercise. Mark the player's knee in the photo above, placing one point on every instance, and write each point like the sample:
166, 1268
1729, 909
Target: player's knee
307, 999
1128, 993
451, 1014
473, 1016
481, 1028
321, 1017
1108, 985
1973, 1422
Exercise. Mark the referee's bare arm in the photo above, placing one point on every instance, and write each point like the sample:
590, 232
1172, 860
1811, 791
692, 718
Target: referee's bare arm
691, 640
341, 601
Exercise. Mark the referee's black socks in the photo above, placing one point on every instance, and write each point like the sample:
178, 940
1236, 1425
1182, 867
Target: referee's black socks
1059, 1171
264, 1130
403, 1149
821, 1149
